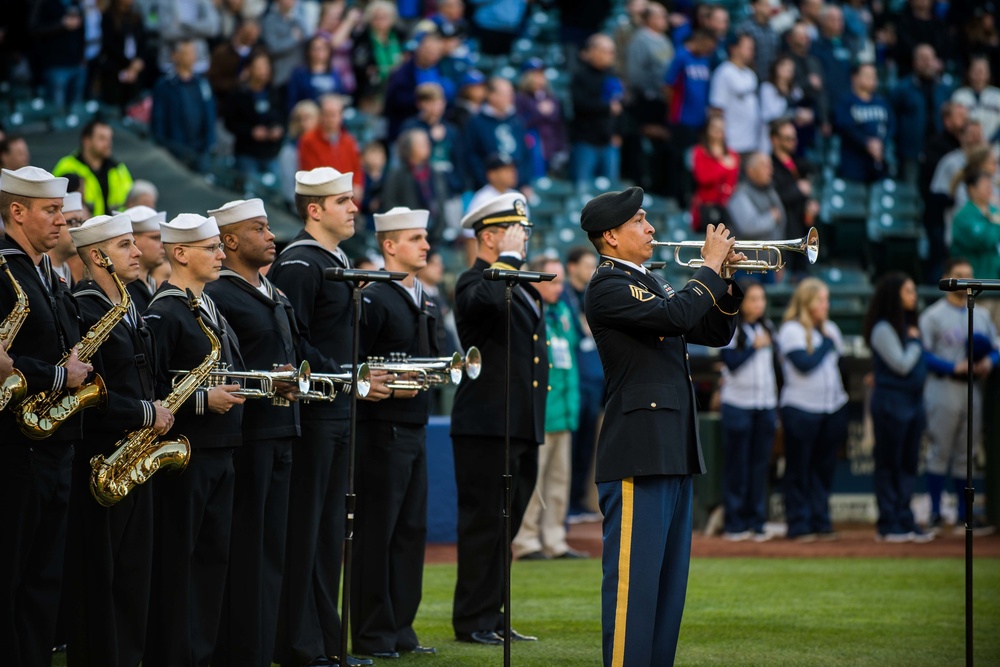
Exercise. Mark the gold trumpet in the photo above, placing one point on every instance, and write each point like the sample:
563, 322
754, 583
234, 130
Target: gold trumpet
254, 384
773, 260
429, 371
326, 386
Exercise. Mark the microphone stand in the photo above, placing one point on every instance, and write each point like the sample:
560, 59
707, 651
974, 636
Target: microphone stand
351, 499
970, 493
507, 482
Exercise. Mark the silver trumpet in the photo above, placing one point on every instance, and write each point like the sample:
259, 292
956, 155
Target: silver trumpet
256, 384
429, 371
326, 386
771, 261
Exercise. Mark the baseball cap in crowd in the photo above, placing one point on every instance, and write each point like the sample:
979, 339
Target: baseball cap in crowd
532, 64
498, 161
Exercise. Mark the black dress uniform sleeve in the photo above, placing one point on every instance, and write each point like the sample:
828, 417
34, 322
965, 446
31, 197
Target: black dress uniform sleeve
301, 284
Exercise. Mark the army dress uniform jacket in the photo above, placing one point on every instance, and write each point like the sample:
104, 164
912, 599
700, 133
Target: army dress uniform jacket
480, 314
323, 311
391, 323
126, 362
268, 336
642, 327
180, 346
51, 329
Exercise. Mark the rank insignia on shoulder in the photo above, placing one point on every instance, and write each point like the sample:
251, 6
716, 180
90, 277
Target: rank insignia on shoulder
640, 293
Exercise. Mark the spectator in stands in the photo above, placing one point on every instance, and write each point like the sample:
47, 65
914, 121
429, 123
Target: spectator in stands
446, 141
337, 23
813, 409
455, 43
57, 40
304, 117
330, 145
864, 123
378, 49
497, 129
792, 184
422, 66
581, 262
541, 113
543, 529
979, 34
808, 77
733, 94
975, 229
450, 18
755, 209
915, 25
980, 98
897, 406
501, 178
648, 56
765, 38
944, 327
811, 17
982, 159
685, 92
594, 143
14, 152
953, 120
749, 417
143, 193
915, 104
469, 99
284, 35
835, 57
315, 77
580, 20
106, 182
373, 162
948, 176
717, 22
715, 169
255, 119
123, 52
197, 21
780, 98
183, 115
229, 60
627, 27
233, 13
496, 23
413, 183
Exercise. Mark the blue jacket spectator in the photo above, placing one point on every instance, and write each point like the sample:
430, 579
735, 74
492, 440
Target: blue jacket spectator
496, 129
421, 67
916, 103
687, 81
316, 77
446, 140
864, 123
183, 115
497, 23
835, 56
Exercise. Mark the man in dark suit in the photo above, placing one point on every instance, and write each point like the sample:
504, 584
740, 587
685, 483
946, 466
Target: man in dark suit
35, 496
477, 423
391, 531
648, 448
110, 549
262, 318
146, 230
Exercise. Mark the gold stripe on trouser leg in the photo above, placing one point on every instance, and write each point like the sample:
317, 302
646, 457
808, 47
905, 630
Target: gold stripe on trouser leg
624, 559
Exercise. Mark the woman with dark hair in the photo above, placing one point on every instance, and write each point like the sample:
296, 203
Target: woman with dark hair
781, 98
256, 120
123, 53
749, 417
897, 404
715, 169
413, 183
316, 77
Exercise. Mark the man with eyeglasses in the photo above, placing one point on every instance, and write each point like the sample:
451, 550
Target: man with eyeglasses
192, 511
63, 257
477, 426
791, 181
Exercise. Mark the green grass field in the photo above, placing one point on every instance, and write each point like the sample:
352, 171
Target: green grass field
766, 612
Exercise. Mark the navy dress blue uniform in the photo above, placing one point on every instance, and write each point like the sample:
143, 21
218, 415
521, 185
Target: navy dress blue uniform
110, 549
477, 432
142, 292
34, 497
193, 510
308, 620
265, 325
648, 447
391, 529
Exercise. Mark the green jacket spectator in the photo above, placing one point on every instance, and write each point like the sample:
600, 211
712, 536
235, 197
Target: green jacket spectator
562, 407
106, 183
976, 237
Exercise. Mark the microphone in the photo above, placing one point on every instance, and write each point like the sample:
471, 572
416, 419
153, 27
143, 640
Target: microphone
959, 284
517, 276
360, 276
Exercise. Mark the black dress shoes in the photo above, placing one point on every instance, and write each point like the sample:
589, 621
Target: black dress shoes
351, 661
518, 637
385, 655
480, 637
423, 650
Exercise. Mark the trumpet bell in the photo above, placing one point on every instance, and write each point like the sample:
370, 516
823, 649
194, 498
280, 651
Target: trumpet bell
812, 245
473, 363
364, 380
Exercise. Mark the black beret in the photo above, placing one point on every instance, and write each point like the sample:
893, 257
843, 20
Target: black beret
610, 210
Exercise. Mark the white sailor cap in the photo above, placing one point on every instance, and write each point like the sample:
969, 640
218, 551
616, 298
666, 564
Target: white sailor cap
33, 182
322, 182
401, 217
188, 228
101, 228
73, 201
507, 209
145, 219
238, 211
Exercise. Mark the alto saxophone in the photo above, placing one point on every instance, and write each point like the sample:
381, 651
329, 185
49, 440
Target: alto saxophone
41, 414
140, 454
15, 387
